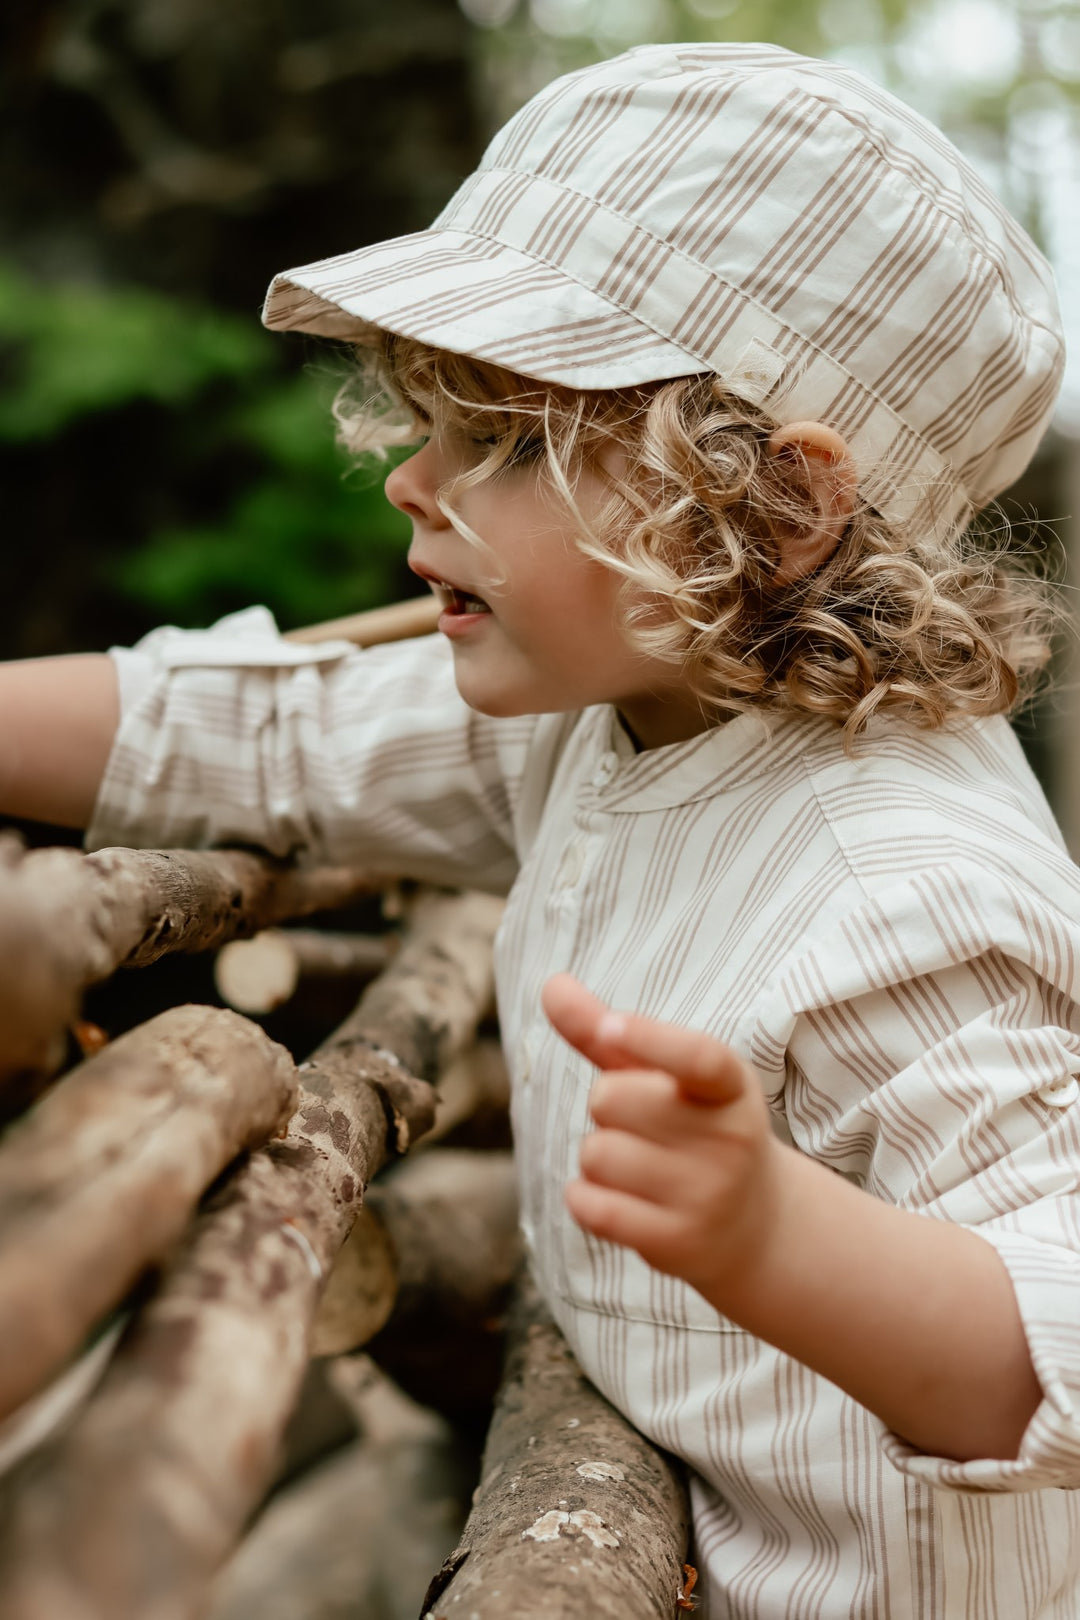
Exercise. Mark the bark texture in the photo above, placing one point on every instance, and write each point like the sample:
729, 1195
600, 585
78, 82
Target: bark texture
129, 1514
69, 920
100, 1179
437, 1242
357, 1537
576, 1514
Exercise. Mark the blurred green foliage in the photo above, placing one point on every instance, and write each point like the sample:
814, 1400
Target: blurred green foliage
263, 506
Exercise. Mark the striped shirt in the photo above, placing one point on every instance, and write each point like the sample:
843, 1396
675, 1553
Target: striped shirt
892, 940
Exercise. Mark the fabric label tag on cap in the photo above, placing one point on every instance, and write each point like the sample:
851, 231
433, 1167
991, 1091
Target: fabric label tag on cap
756, 372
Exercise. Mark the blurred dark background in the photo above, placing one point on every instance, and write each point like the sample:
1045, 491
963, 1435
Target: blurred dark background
162, 458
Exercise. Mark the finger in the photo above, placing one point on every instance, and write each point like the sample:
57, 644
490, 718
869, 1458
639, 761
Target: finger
646, 1103
707, 1070
627, 1163
579, 1016
657, 1234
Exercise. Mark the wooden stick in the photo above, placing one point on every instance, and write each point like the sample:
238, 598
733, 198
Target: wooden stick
69, 920
476, 1083
100, 1179
438, 1239
577, 1514
129, 1513
257, 975
195, 900
356, 1537
397, 622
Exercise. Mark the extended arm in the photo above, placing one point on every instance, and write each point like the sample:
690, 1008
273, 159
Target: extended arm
58, 718
914, 1317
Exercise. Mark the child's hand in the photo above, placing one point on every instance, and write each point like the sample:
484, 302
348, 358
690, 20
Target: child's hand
683, 1165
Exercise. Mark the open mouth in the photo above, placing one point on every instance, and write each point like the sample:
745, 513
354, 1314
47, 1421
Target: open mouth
456, 601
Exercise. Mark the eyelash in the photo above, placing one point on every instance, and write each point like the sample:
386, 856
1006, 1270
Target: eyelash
527, 449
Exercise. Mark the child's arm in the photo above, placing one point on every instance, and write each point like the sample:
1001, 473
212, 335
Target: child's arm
58, 718
914, 1317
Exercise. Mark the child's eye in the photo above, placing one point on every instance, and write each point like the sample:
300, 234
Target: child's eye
520, 451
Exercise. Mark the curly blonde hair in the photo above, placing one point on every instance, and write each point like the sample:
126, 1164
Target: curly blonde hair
693, 522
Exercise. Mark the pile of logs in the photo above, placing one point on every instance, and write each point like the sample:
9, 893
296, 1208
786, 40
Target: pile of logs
187, 1219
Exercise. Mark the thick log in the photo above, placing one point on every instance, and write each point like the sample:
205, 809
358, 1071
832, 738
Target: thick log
576, 1514
68, 921
398, 621
99, 1180
438, 1240
128, 1515
258, 975
357, 1537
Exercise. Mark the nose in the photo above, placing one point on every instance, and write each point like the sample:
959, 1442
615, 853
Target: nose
413, 487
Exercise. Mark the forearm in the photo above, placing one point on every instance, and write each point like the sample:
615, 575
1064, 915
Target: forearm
915, 1318
58, 718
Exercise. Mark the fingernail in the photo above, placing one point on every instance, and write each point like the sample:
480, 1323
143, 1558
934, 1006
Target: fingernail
612, 1027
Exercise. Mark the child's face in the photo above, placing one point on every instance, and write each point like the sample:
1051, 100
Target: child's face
543, 636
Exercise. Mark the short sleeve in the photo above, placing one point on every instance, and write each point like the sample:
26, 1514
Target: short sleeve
930, 1047
327, 753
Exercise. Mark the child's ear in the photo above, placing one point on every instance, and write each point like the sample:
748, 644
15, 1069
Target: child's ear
824, 461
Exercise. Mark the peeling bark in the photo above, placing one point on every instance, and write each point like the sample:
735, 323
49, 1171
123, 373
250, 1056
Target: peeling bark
128, 1514
69, 920
576, 1514
100, 1179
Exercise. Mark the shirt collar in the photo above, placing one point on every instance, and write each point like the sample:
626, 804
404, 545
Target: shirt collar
716, 761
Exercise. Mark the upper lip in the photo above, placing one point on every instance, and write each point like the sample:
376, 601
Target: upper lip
442, 580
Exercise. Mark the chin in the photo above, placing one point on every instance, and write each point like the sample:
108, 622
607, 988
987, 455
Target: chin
503, 703
500, 705
497, 708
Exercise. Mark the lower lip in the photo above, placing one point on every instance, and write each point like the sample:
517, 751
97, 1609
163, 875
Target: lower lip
461, 624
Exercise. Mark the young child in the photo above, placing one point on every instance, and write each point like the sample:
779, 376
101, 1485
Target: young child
713, 359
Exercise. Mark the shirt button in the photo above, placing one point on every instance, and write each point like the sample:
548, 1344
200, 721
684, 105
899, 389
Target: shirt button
606, 770
1060, 1093
570, 867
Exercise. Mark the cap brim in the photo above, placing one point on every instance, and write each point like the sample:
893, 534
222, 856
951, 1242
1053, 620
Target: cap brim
462, 291
474, 296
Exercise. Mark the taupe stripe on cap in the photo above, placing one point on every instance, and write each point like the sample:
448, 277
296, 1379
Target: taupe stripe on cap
739, 209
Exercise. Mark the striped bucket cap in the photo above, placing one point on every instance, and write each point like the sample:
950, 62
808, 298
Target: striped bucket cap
737, 209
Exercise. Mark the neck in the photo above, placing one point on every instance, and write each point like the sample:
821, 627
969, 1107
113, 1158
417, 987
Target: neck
653, 722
